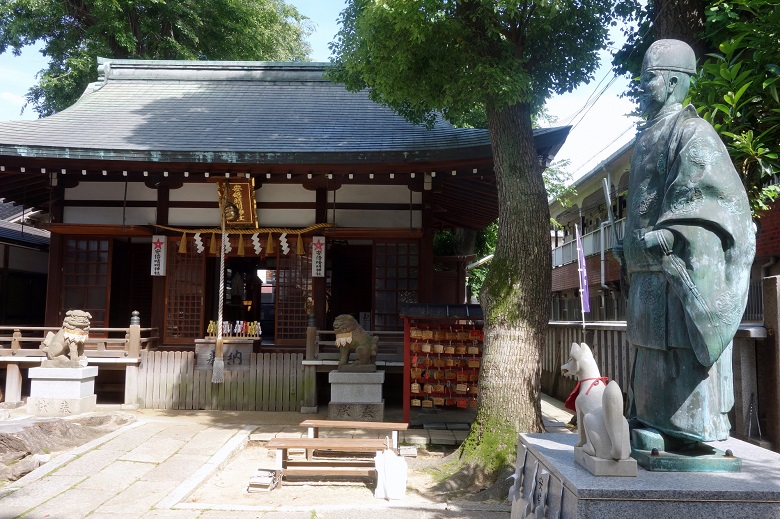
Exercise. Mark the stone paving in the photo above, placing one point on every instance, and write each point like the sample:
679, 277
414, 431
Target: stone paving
149, 467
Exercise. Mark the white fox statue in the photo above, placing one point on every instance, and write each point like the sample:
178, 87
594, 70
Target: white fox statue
603, 430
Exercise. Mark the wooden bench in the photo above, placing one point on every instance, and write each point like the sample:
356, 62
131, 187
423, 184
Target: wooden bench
326, 467
315, 425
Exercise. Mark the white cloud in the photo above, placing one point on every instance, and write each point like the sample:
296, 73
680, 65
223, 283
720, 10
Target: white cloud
11, 105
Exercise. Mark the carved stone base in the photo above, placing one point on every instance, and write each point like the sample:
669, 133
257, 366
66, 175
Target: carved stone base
549, 484
63, 362
351, 388
602, 467
61, 406
361, 412
357, 368
62, 391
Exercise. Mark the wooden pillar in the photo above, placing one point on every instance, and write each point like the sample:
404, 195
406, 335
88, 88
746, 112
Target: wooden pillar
425, 294
158, 282
407, 391
4, 281
318, 287
53, 316
318, 290
768, 358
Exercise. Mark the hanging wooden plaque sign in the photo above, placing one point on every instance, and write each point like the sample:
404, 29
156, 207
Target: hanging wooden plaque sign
237, 196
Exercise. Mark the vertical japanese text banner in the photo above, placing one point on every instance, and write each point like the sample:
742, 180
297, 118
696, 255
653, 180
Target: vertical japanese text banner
584, 292
158, 254
318, 256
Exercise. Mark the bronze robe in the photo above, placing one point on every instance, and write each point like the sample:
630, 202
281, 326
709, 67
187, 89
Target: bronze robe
688, 278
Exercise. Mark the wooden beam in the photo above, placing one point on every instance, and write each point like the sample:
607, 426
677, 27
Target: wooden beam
368, 233
97, 229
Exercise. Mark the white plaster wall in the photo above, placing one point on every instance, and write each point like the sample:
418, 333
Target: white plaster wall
286, 218
110, 191
381, 219
28, 260
284, 193
110, 215
178, 217
195, 192
385, 194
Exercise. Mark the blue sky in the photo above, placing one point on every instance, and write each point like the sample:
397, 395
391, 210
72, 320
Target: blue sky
597, 134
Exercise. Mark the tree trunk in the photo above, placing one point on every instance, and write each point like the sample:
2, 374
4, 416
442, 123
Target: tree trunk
515, 296
681, 21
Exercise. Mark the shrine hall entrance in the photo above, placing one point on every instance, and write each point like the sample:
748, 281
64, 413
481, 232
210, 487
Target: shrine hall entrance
270, 290
374, 277
349, 290
365, 278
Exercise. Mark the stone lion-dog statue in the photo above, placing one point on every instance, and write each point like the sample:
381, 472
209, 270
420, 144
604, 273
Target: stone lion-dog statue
603, 430
350, 336
65, 349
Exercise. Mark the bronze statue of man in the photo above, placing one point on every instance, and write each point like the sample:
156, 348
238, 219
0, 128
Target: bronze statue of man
688, 246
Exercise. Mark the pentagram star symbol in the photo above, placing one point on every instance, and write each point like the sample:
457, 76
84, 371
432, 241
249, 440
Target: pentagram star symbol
157, 244
318, 245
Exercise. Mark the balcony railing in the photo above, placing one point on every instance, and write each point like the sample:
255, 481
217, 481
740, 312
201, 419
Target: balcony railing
591, 244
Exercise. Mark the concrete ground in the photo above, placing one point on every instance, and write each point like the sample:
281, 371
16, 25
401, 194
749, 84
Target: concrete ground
154, 466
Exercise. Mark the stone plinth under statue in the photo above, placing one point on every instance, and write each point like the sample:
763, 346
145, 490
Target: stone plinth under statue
356, 396
62, 391
548, 476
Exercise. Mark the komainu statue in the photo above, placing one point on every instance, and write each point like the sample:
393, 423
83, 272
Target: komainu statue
350, 336
65, 349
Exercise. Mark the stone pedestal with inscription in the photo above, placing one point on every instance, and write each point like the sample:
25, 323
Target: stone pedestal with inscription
356, 396
549, 483
62, 391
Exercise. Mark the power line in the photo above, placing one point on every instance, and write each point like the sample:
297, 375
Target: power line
631, 127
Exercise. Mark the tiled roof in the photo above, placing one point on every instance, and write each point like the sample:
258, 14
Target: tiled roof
230, 112
8, 210
23, 234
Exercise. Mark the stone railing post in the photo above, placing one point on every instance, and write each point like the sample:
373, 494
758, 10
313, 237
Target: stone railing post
13, 375
133, 352
134, 335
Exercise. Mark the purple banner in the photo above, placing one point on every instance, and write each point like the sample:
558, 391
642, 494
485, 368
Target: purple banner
584, 295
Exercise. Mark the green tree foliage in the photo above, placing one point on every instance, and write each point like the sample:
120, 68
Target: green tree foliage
486, 245
73, 33
457, 59
737, 91
737, 86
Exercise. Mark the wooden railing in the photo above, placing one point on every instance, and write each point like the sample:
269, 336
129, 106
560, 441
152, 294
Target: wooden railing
22, 347
27, 341
390, 349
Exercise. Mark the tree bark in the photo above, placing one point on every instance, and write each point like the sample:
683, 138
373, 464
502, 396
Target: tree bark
681, 21
515, 296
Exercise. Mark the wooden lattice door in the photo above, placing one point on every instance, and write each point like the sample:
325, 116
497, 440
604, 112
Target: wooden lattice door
86, 276
293, 288
396, 281
184, 295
